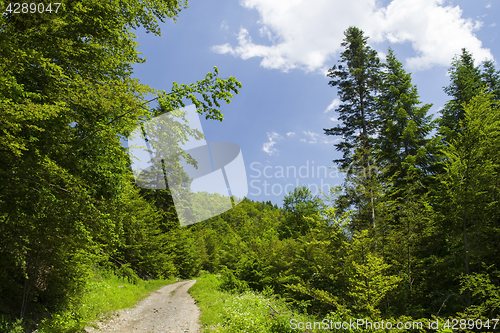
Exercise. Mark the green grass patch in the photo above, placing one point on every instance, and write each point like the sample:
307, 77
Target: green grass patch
104, 294
249, 311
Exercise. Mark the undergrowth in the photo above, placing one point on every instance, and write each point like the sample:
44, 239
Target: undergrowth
227, 306
246, 311
104, 294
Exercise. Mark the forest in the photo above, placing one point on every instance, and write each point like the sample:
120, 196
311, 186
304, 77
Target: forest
412, 232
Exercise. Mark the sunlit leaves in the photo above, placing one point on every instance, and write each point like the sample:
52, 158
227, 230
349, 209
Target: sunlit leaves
212, 89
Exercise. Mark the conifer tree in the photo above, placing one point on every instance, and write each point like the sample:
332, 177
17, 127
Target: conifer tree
404, 123
357, 79
465, 83
491, 77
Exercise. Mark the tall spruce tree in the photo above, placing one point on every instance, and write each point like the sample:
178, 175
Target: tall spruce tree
465, 83
491, 77
406, 156
357, 79
403, 139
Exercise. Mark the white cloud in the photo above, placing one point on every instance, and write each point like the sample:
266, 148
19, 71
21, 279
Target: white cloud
334, 104
436, 32
315, 138
268, 147
307, 137
223, 48
488, 5
382, 55
224, 26
310, 32
334, 119
493, 25
265, 32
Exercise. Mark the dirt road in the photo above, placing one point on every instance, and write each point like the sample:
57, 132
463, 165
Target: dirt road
168, 310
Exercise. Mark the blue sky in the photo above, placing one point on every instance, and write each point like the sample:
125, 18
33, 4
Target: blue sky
280, 51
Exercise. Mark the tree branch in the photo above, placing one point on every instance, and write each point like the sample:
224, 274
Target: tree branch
120, 116
113, 120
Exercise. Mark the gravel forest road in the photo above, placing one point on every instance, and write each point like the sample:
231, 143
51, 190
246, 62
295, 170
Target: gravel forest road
168, 310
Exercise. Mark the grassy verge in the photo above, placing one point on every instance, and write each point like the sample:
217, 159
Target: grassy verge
241, 312
104, 294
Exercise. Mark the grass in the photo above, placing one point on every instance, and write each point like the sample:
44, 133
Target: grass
249, 311
104, 294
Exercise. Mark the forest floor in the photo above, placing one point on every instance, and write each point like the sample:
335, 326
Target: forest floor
168, 310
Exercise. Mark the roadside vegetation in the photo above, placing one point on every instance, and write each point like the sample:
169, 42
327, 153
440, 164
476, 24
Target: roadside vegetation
104, 294
228, 305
